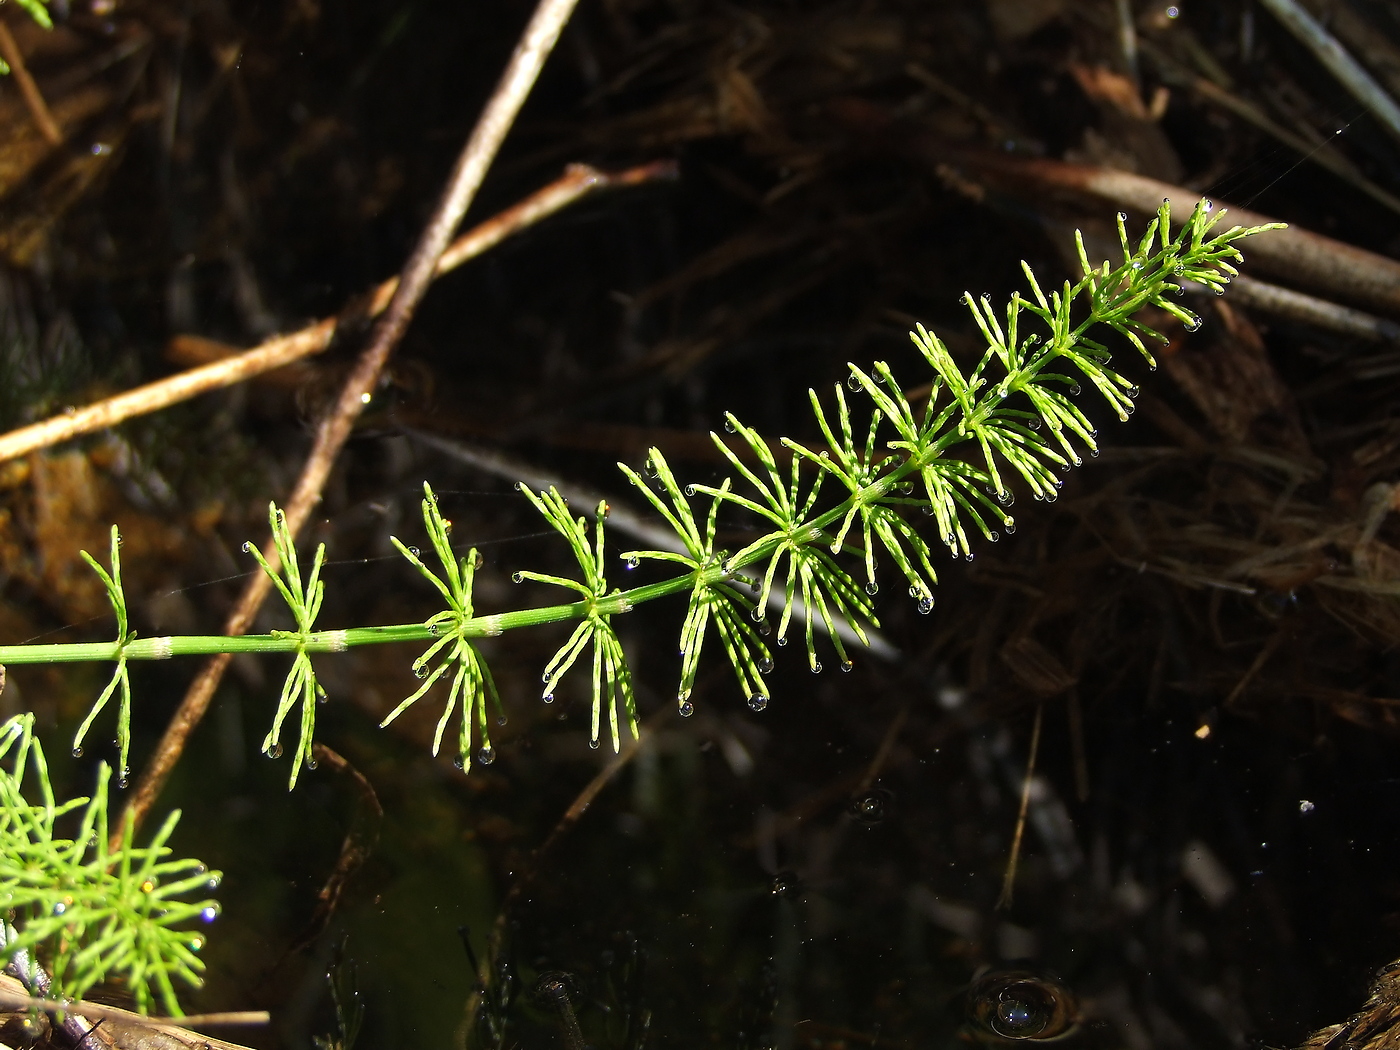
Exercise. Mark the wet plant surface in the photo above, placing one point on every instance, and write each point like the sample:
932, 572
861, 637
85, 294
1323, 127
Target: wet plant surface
1194, 639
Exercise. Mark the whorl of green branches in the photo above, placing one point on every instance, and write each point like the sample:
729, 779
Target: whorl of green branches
79, 912
951, 457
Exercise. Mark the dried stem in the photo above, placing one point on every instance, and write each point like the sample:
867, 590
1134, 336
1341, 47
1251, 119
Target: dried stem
33, 99
1008, 883
481, 148
577, 182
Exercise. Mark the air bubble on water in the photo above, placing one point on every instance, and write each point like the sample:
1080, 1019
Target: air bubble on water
853, 381
872, 588
486, 755
758, 702
925, 606
686, 708
765, 665
77, 751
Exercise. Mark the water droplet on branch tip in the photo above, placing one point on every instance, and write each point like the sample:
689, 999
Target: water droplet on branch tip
593, 743
686, 708
486, 755
548, 698
872, 588
765, 665
77, 751
517, 577
816, 667
758, 702
275, 751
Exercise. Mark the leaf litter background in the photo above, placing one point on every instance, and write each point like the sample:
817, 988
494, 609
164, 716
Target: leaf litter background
1207, 614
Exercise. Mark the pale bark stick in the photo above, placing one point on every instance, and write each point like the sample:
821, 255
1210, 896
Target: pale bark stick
578, 181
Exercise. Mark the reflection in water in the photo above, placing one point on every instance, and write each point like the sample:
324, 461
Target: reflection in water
1018, 1005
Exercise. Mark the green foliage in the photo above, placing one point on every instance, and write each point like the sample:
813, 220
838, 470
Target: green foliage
951, 457
120, 679
304, 601
81, 912
472, 682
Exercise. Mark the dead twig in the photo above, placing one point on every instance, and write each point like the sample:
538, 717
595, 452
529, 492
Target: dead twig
476, 156
577, 182
33, 99
1008, 882
1301, 256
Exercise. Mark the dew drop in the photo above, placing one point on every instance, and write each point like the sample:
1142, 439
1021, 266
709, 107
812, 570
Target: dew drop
420, 671
414, 551
77, 751
729, 424
1034, 424
1005, 498
1130, 408
546, 677
782, 639
686, 708
1137, 264
501, 720
486, 755
764, 629
853, 381
60, 908
459, 762
690, 490
758, 702
275, 751
650, 468
247, 547
756, 614
1094, 453
872, 588
1051, 496
633, 562
765, 665
124, 778
519, 486
517, 577
214, 881
1010, 526
785, 884
433, 629
993, 536
816, 667
593, 743
1122, 217
1075, 389
210, 912
925, 606
846, 666
548, 698
311, 763
968, 556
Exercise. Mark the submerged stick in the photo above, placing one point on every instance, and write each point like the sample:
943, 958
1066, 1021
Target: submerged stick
29, 91
467, 174
577, 182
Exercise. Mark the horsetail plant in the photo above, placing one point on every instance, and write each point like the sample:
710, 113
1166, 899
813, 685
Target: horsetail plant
86, 913
951, 457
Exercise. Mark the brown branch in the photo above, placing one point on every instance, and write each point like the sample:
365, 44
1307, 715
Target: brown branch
33, 100
476, 156
577, 182
1008, 882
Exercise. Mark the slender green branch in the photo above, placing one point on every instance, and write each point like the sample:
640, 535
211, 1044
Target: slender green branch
952, 459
